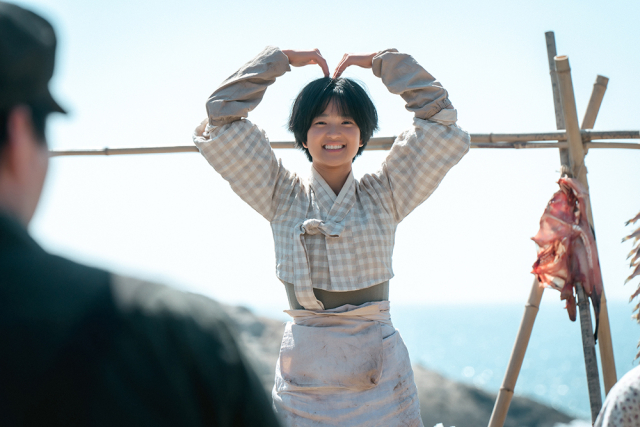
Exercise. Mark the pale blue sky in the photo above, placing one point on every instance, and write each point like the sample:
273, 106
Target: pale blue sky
138, 74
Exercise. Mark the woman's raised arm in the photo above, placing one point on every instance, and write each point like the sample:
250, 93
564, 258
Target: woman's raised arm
244, 89
237, 149
421, 156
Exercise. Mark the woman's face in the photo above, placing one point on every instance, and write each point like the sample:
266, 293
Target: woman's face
333, 140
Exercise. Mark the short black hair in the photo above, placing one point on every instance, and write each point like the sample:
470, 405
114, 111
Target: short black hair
39, 115
350, 99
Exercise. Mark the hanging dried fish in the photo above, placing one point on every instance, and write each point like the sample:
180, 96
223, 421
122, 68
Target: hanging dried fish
567, 251
635, 265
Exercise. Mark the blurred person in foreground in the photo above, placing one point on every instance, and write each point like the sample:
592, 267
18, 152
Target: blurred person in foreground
622, 405
81, 346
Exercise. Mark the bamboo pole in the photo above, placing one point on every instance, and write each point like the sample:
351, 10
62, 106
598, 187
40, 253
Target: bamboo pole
505, 394
501, 407
557, 100
586, 135
589, 120
589, 349
576, 156
503, 400
611, 145
574, 138
599, 88
121, 151
517, 145
490, 140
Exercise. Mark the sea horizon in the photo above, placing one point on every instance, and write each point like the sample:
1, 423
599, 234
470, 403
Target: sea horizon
472, 344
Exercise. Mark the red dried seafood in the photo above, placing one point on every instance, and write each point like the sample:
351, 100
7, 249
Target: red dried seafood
567, 251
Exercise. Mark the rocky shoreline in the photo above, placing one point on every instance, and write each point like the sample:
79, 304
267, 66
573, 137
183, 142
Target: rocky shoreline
441, 400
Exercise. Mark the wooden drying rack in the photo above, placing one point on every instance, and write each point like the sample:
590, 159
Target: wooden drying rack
573, 142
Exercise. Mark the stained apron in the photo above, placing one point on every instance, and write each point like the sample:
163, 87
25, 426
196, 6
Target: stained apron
346, 366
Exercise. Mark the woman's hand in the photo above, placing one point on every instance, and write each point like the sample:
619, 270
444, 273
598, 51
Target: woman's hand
201, 127
300, 58
363, 60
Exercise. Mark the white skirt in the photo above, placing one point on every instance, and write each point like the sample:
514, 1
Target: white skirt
346, 366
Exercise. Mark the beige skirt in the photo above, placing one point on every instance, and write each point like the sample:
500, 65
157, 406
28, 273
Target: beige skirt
347, 366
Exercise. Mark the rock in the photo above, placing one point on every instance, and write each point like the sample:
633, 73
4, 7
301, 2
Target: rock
261, 342
454, 404
441, 400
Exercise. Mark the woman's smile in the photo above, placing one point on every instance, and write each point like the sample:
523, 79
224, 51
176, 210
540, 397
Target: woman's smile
333, 140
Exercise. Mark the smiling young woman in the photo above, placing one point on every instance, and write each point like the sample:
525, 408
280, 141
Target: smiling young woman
341, 361
333, 140
332, 120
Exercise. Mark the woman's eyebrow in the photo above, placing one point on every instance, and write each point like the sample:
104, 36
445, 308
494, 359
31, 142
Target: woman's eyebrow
322, 116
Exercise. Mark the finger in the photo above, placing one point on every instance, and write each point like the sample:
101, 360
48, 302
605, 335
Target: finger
338, 70
202, 126
322, 63
346, 62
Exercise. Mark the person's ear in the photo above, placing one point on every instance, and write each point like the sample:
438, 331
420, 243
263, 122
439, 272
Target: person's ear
23, 165
20, 137
304, 144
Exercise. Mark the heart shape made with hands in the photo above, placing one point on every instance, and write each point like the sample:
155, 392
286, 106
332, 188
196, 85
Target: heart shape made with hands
300, 58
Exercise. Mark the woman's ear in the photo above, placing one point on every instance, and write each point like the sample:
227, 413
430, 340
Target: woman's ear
361, 143
304, 144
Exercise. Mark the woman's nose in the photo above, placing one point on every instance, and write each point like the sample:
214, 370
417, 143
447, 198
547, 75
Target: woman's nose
333, 130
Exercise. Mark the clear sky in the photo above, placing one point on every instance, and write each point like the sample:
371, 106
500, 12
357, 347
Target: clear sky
138, 74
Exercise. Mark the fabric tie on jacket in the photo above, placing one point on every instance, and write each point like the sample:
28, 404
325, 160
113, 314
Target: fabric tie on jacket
302, 274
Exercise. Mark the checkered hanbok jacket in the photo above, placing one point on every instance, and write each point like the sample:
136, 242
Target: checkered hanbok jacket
333, 242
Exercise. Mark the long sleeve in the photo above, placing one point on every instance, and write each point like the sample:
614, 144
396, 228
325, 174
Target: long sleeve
244, 89
237, 149
403, 76
421, 156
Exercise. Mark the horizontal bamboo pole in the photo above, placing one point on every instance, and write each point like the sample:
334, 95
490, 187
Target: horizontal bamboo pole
561, 135
491, 140
120, 151
622, 145
612, 145
372, 147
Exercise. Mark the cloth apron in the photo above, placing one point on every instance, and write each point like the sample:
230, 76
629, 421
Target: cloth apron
346, 366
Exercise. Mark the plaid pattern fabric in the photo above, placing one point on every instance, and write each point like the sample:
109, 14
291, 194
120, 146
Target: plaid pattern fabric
335, 243
343, 242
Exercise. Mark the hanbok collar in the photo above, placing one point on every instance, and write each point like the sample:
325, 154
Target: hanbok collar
330, 201
332, 226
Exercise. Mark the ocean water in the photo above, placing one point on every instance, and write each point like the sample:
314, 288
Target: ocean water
472, 344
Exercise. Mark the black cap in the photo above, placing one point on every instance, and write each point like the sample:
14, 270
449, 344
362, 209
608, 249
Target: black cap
27, 56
